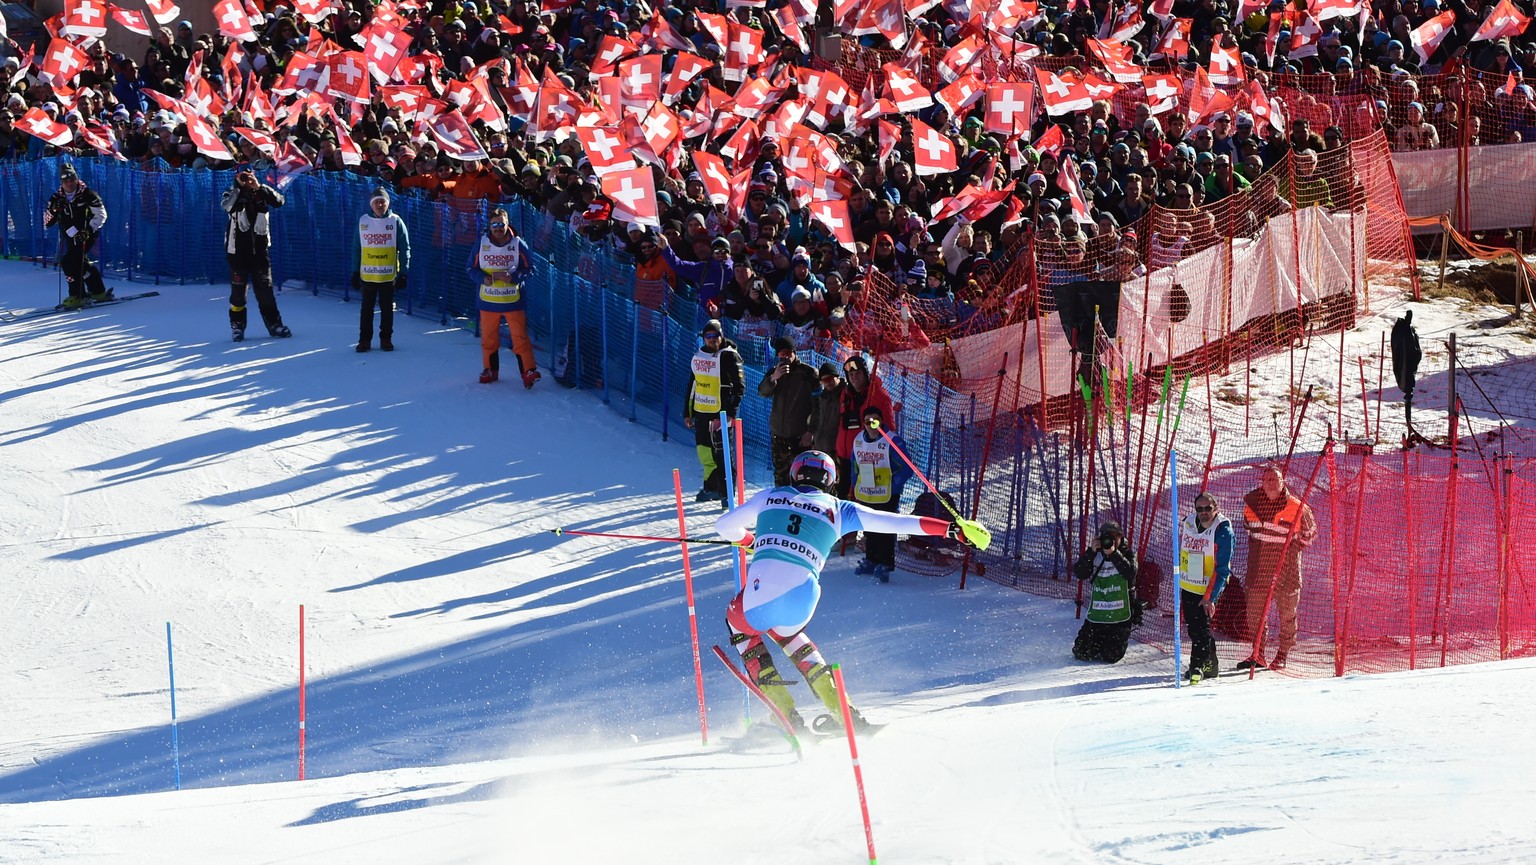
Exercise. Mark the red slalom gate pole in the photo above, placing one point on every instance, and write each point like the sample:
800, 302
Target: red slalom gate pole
677, 540
301, 692
853, 752
693, 620
741, 492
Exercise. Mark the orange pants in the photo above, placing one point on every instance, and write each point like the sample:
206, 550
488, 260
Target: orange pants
490, 339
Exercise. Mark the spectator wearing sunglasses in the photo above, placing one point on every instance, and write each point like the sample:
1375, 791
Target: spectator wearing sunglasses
716, 385
1206, 541
499, 264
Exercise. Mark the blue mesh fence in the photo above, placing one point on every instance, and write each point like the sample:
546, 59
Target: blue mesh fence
165, 226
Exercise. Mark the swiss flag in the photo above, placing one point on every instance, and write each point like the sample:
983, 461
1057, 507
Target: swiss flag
890, 136
455, 137
1116, 57
906, 91
1226, 69
1306, 36
303, 73
959, 58
1262, 108
685, 68
38, 124
1205, 101
405, 98
1098, 88
233, 20
165, 11
351, 154
315, 11
1161, 8
206, 138
384, 48
1162, 92
349, 76
263, 141
717, 181
788, 20
933, 153
1062, 93
1067, 179
85, 19
418, 68
1051, 141
640, 80
1010, 108
633, 193
63, 61
744, 51
605, 149
799, 158
882, 18
101, 138
1174, 43
660, 128
958, 97
609, 52
833, 215
1504, 20
1128, 23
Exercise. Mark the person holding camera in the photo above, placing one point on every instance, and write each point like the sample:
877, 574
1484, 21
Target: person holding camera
247, 245
1206, 542
1113, 609
79, 214
792, 384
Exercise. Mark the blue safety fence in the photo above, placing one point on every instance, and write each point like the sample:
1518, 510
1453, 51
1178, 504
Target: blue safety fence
165, 225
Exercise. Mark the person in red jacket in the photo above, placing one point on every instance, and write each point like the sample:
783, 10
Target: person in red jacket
863, 391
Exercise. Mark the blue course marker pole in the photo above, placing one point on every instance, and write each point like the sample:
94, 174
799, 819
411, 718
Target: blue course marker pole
1173, 485
170, 658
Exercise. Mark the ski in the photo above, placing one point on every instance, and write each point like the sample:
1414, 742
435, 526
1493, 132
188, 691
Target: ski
830, 726
789, 730
10, 318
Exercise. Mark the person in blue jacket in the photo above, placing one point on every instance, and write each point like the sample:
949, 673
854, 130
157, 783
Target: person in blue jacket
791, 530
709, 278
1206, 541
879, 475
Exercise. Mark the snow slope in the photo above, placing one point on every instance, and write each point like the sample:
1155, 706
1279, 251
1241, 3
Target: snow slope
481, 690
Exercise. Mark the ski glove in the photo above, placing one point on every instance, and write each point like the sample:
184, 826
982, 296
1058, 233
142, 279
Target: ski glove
1136, 612
970, 533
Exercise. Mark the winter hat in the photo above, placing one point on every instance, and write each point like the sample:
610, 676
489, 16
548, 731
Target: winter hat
800, 294
1110, 527
783, 343
712, 326
828, 368
918, 272
67, 172
720, 243
800, 258
380, 194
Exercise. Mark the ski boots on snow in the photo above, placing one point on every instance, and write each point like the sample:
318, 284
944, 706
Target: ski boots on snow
831, 725
488, 375
237, 334
279, 332
101, 296
364, 347
386, 344
74, 302
529, 378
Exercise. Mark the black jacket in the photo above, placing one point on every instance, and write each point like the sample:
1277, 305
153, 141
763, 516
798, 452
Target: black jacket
794, 399
84, 212
733, 382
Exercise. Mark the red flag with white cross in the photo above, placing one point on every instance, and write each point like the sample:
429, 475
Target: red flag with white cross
717, 181
38, 124
349, 76
833, 215
63, 61
604, 148
633, 193
933, 153
906, 91
233, 20
1010, 108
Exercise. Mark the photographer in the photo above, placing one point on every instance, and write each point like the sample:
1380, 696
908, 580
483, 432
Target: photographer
247, 242
1113, 609
792, 384
79, 214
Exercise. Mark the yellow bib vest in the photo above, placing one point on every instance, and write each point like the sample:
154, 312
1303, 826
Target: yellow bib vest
500, 262
706, 382
381, 256
872, 467
1197, 555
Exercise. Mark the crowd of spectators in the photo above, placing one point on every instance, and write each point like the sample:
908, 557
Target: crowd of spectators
778, 268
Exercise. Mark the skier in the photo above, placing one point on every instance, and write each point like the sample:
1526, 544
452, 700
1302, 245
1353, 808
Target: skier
717, 383
247, 244
500, 262
1110, 565
79, 213
878, 478
791, 529
384, 255
1206, 541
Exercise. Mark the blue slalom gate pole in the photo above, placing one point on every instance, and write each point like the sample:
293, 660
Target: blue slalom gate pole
1178, 606
170, 658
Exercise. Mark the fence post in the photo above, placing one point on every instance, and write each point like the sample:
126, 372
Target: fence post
1333, 556
1413, 630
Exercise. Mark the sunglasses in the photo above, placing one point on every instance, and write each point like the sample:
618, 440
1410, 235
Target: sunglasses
498, 225
711, 335
1203, 510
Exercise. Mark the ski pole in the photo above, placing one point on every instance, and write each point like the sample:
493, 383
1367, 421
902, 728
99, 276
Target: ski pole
915, 470
559, 531
853, 751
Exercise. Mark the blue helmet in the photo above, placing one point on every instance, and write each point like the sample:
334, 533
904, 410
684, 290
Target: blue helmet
814, 468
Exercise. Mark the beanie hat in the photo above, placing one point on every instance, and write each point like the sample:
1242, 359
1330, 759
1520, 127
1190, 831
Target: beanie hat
783, 343
800, 294
378, 194
828, 368
712, 326
918, 272
800, 258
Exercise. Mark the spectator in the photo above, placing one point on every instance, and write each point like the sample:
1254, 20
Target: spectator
863, 388
791, 384
707, 277
1280, 526
878, 477
1109, 566
498, 264
79, 214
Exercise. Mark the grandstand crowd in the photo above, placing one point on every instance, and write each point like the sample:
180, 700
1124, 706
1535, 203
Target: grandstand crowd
754, 119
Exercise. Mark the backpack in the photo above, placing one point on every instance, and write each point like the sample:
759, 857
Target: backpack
930, 505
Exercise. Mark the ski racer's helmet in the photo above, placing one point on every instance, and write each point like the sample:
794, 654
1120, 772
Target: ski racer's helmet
814, 468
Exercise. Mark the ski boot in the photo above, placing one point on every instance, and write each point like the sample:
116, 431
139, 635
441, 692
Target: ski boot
883, 573
364, 347
101, 296
831, 725
1279, 662
279, 332
386, 344
74, 302
237, 334
866, 567
487, 376
529, 377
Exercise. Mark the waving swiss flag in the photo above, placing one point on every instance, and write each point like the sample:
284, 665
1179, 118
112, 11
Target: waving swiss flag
933, 153
455, 137
38, 124
384, 48
85, 19
1116, 57
1504, 21
206, 138
63, 61
906, 91
633, 193
1162, 92
263, 141
349, 76
166, 11
1062, 93
1010, 108
1067, 179
717, 181
233, 20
